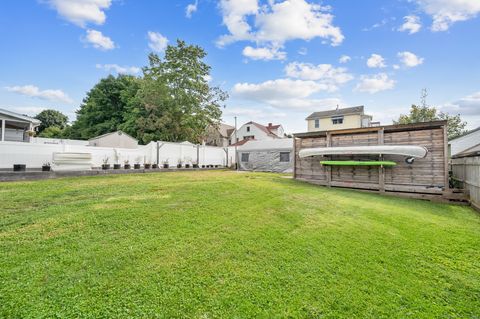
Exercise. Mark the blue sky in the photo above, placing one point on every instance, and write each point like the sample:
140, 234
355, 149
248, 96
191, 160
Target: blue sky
279, 60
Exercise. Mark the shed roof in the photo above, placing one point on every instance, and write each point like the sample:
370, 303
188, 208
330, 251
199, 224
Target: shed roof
111, 133
20, 116
275, 144
344, 111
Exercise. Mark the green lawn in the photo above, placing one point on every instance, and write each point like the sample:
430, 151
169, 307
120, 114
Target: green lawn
231, 245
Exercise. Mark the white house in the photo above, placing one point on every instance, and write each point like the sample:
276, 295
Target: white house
16, 127
255, 131
468, 142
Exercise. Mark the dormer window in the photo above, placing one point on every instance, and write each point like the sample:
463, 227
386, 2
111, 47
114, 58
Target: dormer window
248, 128
337, 120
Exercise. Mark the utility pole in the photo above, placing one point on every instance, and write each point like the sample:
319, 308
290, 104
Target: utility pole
236, 153
423, 98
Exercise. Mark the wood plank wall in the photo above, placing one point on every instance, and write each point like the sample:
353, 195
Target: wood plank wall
428, 175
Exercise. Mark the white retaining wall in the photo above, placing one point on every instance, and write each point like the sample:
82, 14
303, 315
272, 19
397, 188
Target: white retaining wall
35, 155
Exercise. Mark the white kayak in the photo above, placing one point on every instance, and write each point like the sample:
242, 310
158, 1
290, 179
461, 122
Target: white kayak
403, 150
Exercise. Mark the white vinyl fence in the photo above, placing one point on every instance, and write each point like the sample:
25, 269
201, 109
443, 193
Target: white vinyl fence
34, 155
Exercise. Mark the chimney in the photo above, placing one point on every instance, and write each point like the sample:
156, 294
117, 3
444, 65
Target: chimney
269, 124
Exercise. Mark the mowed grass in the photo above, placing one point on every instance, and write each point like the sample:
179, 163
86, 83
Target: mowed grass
231, 245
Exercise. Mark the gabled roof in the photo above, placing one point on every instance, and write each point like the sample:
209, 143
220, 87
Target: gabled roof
20, 117
344, 111
466, 133
224, 129
111, 133
239, 143
264, 128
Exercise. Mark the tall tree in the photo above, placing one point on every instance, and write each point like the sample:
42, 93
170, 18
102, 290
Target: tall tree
175, 101
105, 107
51, 118
456, 126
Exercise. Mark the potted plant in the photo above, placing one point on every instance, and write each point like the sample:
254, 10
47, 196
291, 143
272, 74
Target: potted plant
105, 164
137, 163
117, 166
126, 164
155, 166
165, 163
46, 167
146, 165
19, 167
179, 165
194, 164
203, 166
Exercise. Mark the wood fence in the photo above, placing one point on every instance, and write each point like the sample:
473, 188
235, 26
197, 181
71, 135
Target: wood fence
466, 171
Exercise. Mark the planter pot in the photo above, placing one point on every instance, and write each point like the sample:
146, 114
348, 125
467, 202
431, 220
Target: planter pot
195, 165
146, 166
117, 166
46, 168
203, 166
136, 166
216, 166
105, 166
165, 165
179, 165
126, 166
19, 167
187, 165
154, 165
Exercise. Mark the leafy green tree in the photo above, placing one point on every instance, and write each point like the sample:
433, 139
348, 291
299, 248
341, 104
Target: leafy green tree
52, 132
456, 126
51, 118
175, 101
105, 107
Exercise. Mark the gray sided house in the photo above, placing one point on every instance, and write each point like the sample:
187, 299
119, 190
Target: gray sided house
15, 127
275, 155
466, 143
115, 139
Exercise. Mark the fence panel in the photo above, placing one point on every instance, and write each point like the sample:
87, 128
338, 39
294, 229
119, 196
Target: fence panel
466, 170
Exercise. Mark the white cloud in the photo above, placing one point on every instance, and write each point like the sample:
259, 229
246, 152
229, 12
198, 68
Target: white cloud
376, 61
409, 59
277, 89
264, 53
99, 41
191, 8
468, 106
447, 12
375, 83
34, 91
324, 74
253, 113
29, 110
119, 69
157, 42
344, 59
275, 23
412, 24
81, 12
303, 51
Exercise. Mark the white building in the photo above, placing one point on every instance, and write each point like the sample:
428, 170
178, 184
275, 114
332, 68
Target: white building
255, 131
114, 139
469, 142
15, 127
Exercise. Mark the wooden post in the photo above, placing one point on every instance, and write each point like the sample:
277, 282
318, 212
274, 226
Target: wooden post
294, 157
445, 153
3, 130
329, 168
381, 169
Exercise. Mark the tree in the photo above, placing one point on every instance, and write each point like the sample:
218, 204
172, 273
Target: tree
52, 132
51, 118
175, 102
424, 113
105, 107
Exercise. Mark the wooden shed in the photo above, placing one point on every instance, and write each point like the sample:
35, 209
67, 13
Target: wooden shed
426, 177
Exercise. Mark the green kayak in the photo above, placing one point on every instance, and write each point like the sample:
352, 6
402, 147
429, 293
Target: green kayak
358, 163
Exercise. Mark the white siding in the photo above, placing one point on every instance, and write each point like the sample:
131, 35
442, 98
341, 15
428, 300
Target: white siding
464, 143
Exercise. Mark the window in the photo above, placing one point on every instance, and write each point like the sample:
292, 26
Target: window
317, 123
248, 128
249, 137
284, 156
245, 157
337, 120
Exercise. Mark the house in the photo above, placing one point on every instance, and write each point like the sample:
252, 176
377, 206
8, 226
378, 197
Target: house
219, 135
256, 131
267, 155
114, 139
466, 143
16, 127
346, 118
